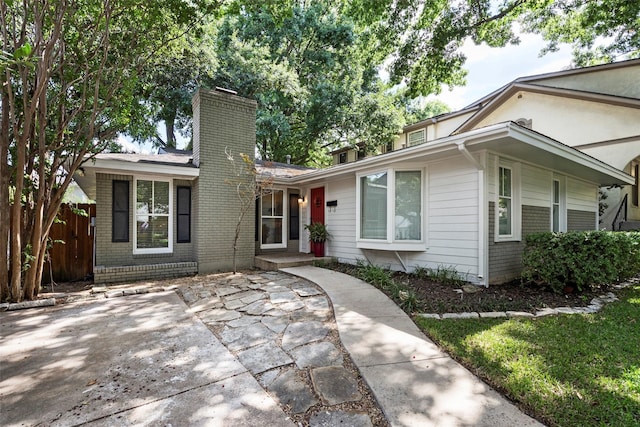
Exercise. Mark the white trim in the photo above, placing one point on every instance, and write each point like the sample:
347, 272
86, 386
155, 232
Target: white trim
562, 202
516, 202
112, 166
285, 222
390, 243
134, 196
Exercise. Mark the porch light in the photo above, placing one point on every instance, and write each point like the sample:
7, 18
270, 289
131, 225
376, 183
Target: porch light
301, 199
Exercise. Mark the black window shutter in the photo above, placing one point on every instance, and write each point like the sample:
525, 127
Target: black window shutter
184, 215
120, 211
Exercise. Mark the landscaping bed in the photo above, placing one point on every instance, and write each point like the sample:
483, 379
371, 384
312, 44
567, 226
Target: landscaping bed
454, 297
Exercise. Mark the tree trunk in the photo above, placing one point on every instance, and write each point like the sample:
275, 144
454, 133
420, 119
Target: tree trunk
16, 224
4, 199
170, 128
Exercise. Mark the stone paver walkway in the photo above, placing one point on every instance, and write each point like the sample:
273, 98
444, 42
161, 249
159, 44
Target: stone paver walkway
282, 329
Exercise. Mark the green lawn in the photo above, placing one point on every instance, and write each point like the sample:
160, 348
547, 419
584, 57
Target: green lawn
567, 370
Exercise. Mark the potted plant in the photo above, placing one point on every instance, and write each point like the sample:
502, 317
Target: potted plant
318, 234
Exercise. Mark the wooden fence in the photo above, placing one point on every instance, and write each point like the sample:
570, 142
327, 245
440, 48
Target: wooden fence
72, 260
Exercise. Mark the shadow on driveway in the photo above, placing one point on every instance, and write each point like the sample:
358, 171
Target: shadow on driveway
123, 361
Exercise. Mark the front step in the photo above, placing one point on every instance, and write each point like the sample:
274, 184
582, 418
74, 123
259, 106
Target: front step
630, 226
278, 261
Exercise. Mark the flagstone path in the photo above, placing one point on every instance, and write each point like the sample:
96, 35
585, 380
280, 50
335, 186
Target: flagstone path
282, 329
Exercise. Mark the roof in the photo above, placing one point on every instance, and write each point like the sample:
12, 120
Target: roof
508, 138
281, 170
178, 165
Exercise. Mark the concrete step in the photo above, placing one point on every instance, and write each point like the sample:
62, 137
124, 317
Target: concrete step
278, 261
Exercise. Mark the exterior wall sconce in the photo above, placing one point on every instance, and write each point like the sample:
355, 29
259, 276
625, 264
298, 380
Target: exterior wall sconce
301, 199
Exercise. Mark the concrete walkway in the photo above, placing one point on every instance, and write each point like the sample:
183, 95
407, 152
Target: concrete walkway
415, 383
139, 360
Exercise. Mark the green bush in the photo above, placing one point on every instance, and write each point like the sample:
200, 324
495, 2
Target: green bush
583, 259
444, 274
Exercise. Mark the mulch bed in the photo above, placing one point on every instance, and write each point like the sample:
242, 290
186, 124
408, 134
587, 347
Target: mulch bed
514, 296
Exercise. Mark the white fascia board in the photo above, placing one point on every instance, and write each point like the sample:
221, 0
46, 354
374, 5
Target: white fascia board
137, 168
561, 150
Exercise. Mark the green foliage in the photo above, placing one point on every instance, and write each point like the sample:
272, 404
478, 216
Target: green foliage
316, 89
382, 278
318, 232
581, 259
575, 370
445, 274
598, 30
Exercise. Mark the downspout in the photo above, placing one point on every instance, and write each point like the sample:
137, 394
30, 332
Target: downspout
482, 214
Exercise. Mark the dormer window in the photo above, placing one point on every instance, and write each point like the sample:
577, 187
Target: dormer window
416, 138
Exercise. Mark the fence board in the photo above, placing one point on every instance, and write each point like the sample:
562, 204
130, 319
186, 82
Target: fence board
72, 260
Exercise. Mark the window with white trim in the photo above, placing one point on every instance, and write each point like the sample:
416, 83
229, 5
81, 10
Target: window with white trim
555, 207
390, 210
558, 206
508, 226
153, 217
416, 138
505, 202
272, 220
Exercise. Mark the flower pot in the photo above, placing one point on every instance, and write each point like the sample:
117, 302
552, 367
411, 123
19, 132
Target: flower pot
317, 248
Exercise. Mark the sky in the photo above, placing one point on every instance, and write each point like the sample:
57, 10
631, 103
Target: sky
488, 69
491, 68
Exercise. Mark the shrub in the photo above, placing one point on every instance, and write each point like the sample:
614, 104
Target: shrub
374, 274
583, 259
444, 274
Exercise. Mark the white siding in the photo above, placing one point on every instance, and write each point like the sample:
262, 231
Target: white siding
451, 207
536, 186
581, 196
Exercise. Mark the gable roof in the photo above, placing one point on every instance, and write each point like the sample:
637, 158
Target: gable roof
514, 88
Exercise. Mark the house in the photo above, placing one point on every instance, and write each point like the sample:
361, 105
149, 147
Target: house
463, 193
594, 109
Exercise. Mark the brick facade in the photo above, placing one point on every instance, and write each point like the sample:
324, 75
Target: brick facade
221, 120
108, 253
505, 258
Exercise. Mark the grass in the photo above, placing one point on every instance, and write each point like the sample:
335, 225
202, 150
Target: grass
567, 370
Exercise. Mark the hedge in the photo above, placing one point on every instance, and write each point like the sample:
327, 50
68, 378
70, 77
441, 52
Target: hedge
581, 259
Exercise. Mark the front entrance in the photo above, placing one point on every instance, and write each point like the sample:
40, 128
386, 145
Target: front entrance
317, 205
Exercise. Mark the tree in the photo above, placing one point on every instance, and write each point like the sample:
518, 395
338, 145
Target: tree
164, 93
68, 71
303, 64
598, 30
249, 187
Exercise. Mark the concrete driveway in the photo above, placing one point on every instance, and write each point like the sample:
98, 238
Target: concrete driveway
124, 361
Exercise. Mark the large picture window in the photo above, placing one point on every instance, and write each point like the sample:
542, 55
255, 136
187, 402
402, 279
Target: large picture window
153, 217
390, 209
272, 220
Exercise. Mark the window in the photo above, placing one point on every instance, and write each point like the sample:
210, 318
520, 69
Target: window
635, 172
505, 202
373, 221
555, 211
272, 220
361, 154
390, 210
558, 206
416, 138
184, 215
120, 211
408, 218
153, 231
508, 216
342, 157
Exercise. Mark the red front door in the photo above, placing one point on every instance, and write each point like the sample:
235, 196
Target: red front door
317, 205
